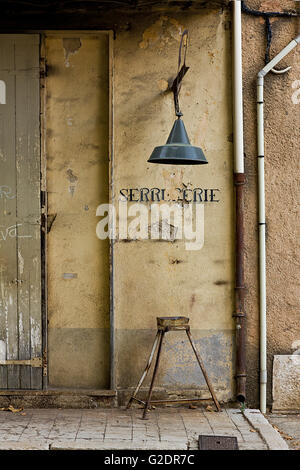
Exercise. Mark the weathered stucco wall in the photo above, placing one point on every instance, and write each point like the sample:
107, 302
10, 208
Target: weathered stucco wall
161, 278
282, 120
77, 91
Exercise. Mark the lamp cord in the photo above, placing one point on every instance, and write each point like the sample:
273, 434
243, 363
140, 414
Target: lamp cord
181, 71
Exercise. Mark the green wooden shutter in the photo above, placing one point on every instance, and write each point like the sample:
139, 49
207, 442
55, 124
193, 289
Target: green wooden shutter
20, 219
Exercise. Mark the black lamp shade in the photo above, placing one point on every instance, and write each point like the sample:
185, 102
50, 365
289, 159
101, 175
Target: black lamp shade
178, 150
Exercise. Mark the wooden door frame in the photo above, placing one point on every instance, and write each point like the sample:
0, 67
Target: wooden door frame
70, 34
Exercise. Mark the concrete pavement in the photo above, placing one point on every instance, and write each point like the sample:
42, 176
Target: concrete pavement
111, 429
288, 425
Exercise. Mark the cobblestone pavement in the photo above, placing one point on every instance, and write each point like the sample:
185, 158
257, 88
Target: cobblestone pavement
117, 428
289, 427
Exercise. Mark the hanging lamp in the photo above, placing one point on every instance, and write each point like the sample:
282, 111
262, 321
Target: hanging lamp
178, 149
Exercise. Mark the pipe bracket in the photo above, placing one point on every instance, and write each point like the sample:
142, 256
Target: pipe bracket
239, 179
239, 314
263, 376
280, 72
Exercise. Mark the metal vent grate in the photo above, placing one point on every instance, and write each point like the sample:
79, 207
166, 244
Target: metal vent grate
218, 443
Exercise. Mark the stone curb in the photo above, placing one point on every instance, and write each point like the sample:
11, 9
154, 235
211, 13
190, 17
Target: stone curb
271, 437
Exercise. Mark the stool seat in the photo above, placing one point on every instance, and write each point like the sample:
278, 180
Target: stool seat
172, 321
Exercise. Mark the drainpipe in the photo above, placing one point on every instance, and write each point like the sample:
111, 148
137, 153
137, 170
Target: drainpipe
239, 182
262, 220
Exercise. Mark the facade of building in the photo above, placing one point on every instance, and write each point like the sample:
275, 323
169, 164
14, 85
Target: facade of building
84, 100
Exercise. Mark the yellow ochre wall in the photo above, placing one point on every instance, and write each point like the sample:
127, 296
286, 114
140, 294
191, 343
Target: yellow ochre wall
161, 278
77, 91
150, 278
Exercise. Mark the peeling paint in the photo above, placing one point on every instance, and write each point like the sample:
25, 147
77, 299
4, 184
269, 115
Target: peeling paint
192, 301
163, 230
35, 334
71, 177
71, 46
163, 84
161, 33
21, 262
2, 350
22, 338
73, 180
175, 261
173, 180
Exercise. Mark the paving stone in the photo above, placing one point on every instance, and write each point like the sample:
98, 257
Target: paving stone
172, 432
112, 445
23, 445
92, 424
179, 439
289, 425
90, 435
172, 428
117, 434
34, 436
148, 435
13, 428
252, 446
91, 429
232, 432
62, 434
93, 421
9, 437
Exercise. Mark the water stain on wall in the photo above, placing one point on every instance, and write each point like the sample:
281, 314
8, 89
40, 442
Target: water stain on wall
161, 33
73, 181
71, 46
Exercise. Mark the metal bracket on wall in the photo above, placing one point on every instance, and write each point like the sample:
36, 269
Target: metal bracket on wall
43, 68
34, 362
45, 369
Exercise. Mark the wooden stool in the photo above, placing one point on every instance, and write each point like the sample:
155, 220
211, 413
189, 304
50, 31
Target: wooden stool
165, 324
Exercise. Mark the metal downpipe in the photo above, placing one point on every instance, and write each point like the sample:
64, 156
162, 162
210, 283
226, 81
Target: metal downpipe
262, 219
239, 182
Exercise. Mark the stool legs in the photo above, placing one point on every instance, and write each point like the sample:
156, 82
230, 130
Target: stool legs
161, 333
157, 337
157, 346
203, 370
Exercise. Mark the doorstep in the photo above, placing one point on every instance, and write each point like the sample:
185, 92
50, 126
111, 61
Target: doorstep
58, 398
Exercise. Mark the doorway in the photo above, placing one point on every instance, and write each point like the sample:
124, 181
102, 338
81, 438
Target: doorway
54, 173
76, 111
